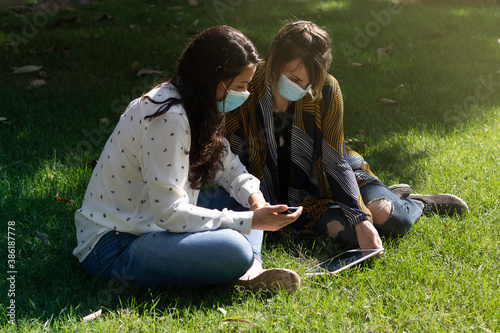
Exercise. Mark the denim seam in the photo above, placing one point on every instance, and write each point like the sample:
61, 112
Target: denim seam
118, 254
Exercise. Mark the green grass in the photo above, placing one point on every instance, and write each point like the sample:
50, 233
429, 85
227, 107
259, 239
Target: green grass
441, 137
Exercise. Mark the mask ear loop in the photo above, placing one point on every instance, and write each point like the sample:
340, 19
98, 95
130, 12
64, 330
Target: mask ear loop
218, 70
227, 90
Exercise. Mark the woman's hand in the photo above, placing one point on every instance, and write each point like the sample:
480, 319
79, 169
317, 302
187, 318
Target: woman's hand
271, 218
368, 237
256, 200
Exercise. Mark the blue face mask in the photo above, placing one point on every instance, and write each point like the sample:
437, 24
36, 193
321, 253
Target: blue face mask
291, 90
233, 100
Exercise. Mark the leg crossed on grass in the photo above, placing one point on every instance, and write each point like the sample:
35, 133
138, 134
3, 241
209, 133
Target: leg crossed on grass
163, 259
392, 216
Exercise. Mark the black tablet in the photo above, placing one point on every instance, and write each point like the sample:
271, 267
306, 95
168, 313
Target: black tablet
342, 261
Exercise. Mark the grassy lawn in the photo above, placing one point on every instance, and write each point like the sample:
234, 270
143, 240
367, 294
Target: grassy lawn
438, 61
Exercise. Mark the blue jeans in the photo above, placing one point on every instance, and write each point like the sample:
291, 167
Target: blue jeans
404, 214
162, 259
218, 198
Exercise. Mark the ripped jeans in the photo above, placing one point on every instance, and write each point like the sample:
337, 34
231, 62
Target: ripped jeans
403, 214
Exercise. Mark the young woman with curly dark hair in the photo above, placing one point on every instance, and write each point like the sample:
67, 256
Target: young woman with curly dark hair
140, 222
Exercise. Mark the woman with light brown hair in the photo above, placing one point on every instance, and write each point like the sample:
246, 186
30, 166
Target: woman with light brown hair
289, 134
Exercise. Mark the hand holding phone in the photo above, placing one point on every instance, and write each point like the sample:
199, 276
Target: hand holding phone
273, 218
290, 210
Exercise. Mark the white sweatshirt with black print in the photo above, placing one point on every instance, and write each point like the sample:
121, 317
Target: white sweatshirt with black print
140, 184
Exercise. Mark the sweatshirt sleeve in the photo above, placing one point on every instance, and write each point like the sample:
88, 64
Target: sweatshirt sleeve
339, 173
166, 143
235, 178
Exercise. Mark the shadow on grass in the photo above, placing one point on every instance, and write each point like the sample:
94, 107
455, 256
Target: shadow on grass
50, 284
445, 54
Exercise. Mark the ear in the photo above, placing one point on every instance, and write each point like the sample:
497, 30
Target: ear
220, 91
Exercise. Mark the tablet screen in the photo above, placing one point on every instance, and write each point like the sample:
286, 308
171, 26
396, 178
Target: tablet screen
342, 261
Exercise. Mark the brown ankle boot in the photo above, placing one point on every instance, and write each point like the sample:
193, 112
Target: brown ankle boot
442, 204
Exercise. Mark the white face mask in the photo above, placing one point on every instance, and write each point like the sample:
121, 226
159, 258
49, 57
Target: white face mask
233, 100
291, 90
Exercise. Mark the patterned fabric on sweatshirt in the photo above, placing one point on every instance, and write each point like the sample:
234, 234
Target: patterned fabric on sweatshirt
323, 171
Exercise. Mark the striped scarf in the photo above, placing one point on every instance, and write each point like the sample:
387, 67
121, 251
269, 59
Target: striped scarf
321, 166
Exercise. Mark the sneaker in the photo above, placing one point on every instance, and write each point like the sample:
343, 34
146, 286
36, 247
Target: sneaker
401, 190
273, 280
442, 204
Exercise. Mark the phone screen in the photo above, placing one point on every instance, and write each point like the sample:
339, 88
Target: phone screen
342, 261
290, 210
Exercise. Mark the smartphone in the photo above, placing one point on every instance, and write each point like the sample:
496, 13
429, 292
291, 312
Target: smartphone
342, 261
290, 210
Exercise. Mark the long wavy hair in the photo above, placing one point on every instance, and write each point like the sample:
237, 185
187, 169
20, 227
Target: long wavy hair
216, 54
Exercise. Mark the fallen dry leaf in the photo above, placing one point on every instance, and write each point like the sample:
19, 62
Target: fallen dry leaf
27, 69
135, 64
92, 164
37, 83
148, 72
92, 316
357, 64
434, 36
50, 49
195, 23
104, 121
5, 121
362, 131
382, 51
398, 88
356, 144
59, 199
387, 101
41, 236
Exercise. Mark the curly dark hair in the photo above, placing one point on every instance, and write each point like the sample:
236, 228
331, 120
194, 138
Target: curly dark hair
214, 55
